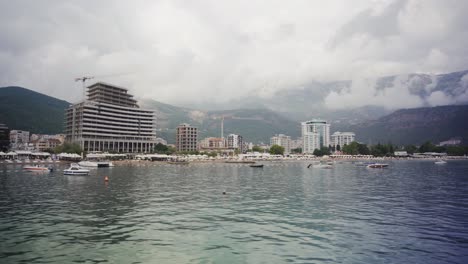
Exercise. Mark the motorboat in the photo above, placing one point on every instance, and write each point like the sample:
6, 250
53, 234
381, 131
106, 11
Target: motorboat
37, 168
377, 165
75, 169
256, 165
323, 166
440, 162
320, 166
95, 164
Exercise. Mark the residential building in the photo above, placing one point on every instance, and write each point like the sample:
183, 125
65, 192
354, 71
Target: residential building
296, 143
235, 142
35, 137
110, 120
342, 138
283, 141
4, 138
186, 138
315, 135
19, 139
44, 144
212, 143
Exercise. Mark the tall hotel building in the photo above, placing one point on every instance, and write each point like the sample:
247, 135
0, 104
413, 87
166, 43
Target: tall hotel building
186, 138
110, 120
315, 134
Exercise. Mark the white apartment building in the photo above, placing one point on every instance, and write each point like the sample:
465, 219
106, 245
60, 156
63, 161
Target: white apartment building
236, 142
110, 120
342, 138
315, 134
283, 141
19, 139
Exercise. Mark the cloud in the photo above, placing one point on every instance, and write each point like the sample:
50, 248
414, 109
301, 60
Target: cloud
180, 51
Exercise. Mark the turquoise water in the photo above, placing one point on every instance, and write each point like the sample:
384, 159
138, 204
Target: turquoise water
412, 212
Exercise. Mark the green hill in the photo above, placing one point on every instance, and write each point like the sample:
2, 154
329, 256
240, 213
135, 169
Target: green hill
24, 109
254, 125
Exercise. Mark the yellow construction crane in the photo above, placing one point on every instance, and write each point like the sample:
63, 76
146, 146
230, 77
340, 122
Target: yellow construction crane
83, 80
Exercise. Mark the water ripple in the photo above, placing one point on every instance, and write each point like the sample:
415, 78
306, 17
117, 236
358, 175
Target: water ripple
412, 212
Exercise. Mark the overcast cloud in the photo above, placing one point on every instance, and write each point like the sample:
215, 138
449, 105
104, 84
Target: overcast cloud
176, 51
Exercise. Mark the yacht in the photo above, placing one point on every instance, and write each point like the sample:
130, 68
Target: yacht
440, 162
75, 169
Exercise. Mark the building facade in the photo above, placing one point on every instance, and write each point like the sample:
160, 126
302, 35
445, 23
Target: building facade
44, 144
19, 140
4, 138
186, 138
296, 143
315, 135
283, 141
212, 143
110, 120
235, 142
342, 138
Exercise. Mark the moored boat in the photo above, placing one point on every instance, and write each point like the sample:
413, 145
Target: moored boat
36, 168
256, 165
322, 166
377, 165
75, 169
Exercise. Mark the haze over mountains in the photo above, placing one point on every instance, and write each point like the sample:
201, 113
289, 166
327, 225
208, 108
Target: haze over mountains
260, 116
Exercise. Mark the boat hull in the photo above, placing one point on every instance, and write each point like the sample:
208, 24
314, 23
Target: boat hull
377, 166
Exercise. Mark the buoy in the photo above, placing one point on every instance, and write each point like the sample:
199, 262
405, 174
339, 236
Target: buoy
224, 192
106, 178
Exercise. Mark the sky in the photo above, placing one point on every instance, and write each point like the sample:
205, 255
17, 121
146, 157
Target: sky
209, 50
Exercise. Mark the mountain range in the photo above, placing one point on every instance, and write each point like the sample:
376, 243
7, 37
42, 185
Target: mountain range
257, 118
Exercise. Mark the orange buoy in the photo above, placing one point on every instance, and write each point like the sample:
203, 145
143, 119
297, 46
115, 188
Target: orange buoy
106, 178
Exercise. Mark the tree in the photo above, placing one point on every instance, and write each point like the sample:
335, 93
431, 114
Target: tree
160, 148
68, 148
427, 147
257, 148
338, 147
296, 150
351, 149
276, 150
363, 149
411, 149
321, 152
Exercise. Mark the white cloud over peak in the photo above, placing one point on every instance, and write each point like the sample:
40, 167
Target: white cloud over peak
180, 51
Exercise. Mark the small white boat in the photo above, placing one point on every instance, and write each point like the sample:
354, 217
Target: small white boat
36, 168
75, 169
440, 162
95, 164
322, 166
377, 165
